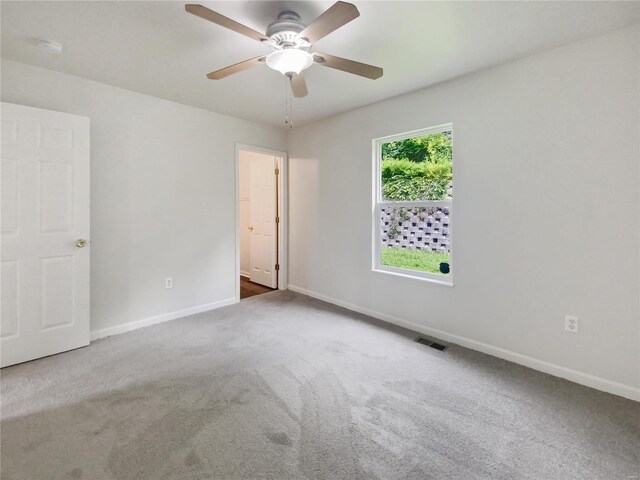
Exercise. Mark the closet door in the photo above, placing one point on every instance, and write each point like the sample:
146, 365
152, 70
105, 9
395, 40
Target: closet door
45, 233
262, 216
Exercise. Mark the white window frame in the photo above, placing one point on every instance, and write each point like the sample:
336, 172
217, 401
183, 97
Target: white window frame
379, 203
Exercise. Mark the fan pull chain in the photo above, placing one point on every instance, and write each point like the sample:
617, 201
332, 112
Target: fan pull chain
288, 103
290, 108
286, 99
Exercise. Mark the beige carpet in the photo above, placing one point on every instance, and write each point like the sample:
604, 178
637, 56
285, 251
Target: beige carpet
285, 387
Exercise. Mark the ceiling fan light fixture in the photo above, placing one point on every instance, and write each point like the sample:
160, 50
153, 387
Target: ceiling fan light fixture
289, 60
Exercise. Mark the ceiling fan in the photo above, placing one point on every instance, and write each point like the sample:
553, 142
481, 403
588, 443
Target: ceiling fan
291, 40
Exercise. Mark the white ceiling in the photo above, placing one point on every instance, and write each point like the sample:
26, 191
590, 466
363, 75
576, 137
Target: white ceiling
158, 49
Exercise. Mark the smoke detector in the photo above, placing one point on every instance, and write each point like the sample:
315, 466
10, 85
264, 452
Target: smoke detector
49, 46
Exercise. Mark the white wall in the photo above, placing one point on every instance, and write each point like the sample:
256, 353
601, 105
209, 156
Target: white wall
552, 138
162, 193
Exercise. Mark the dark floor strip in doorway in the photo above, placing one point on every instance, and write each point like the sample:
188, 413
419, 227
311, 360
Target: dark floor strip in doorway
249, 289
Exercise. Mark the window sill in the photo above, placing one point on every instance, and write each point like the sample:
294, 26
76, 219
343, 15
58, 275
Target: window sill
399, 273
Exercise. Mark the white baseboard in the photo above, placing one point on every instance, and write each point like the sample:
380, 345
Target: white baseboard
576, 376
244, 274
165, 317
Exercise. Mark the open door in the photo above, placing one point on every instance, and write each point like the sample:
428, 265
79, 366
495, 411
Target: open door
263, 227
45, 233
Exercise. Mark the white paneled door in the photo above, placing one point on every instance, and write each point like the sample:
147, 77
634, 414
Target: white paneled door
45, 233
263, 244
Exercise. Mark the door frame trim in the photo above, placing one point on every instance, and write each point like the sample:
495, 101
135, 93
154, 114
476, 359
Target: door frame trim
283, 213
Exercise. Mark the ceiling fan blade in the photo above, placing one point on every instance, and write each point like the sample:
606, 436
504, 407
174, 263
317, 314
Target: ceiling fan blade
332, 19
349, 66
235, 68
299, 86
218, 19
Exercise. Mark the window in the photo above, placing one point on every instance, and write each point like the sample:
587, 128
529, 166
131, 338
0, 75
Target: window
413, 192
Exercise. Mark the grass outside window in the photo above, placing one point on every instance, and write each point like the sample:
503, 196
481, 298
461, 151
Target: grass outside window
420, 260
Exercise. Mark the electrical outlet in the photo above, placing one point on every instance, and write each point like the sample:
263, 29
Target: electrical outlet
571, 323
168, 282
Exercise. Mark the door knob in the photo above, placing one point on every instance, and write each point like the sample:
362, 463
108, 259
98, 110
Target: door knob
81, 243
250, 229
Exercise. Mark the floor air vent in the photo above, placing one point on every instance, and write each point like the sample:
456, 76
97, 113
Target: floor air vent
431, 343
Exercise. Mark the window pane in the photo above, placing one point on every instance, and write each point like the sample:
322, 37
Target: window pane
418, 168
415, 238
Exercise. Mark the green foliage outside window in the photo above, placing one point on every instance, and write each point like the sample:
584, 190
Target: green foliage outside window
417, 168
432, 148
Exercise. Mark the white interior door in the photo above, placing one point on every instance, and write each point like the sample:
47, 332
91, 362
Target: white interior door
44, 221
262, 218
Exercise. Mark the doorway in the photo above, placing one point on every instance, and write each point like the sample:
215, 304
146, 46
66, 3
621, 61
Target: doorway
260, 207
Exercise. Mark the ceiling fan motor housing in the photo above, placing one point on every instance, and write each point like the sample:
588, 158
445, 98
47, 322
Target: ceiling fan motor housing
290, 41
285, 29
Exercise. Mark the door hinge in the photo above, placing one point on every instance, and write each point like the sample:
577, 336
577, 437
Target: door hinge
277, 267
277, 219
277, 171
